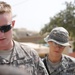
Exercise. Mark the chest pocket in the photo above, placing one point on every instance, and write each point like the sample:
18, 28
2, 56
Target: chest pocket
25, 63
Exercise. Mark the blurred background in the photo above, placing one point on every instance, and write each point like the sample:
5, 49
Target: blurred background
34, 19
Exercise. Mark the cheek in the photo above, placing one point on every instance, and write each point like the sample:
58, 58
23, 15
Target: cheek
8, 34
61, 50
52, 49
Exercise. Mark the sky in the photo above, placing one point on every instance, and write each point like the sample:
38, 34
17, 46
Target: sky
34, 14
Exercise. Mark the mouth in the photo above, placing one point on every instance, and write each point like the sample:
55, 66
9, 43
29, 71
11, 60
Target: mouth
1, 39
57, 52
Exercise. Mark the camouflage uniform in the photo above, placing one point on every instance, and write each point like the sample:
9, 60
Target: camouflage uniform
24, 57
65, 67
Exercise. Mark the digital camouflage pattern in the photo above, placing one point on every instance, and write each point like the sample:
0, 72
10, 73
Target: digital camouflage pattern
26, 58
66, 67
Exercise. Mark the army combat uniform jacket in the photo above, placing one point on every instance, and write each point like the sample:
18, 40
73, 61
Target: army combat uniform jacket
65, 67
24, 57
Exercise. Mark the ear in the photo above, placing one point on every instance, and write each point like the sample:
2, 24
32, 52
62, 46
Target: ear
13, 23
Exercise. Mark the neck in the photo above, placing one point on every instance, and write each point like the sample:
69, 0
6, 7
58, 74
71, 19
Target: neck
7, 46
54, 59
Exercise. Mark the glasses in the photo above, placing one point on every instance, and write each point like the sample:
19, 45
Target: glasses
5, 28
57, 45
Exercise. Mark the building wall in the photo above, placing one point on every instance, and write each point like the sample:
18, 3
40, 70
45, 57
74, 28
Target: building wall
33, 39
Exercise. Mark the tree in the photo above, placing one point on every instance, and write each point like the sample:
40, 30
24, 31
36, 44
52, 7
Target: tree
65, 18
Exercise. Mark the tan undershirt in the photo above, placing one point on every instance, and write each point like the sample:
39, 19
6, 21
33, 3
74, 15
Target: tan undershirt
52, 66
5, 53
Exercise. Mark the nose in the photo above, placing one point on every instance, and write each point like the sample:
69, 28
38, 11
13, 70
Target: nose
1, 34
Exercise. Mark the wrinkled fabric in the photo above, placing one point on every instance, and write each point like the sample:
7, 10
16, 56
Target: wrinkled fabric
26, 58
66, 66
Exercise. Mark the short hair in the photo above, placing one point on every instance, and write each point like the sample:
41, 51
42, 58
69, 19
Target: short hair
4, 7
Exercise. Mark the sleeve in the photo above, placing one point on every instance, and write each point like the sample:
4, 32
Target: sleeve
37, 61
41, 70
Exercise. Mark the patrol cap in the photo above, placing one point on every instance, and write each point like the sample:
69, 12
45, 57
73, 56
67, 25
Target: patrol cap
58, 35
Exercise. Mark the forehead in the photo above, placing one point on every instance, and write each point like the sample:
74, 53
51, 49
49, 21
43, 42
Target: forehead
49, 42
5, 18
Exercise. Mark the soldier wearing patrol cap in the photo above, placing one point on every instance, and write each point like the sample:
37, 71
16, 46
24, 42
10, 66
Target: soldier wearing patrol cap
57, 63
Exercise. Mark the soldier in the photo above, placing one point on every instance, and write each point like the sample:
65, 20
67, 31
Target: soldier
14, 53
57, 63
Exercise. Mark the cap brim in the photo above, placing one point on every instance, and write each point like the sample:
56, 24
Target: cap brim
63, 44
